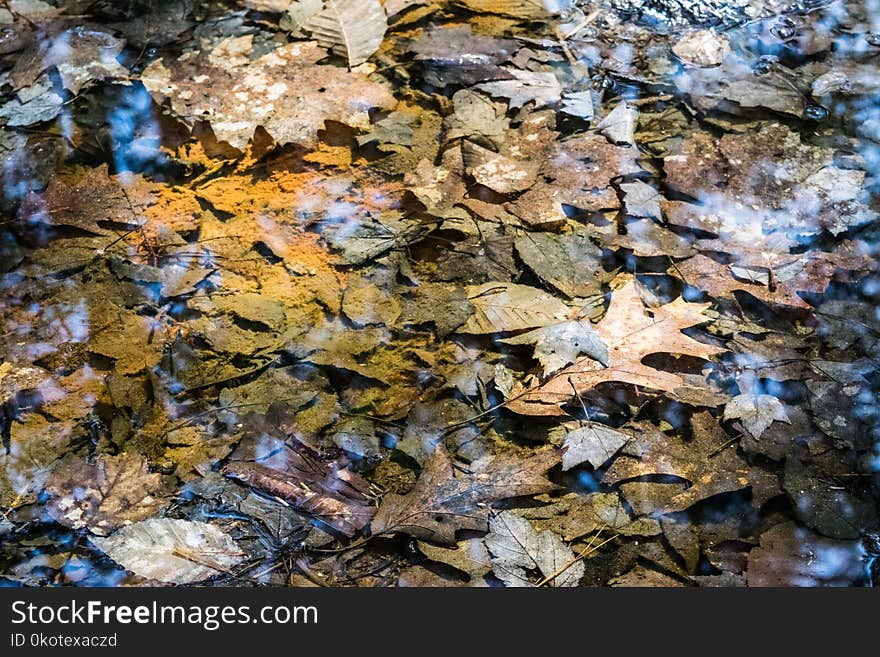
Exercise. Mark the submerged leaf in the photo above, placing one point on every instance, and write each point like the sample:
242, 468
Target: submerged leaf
170, 550
517, 548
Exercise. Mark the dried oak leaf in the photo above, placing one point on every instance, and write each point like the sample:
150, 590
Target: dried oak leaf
441, 503
631, 331
285, 91
776, 284
702, 461
114, 491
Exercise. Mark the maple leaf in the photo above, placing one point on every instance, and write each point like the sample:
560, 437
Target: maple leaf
285, 91
631, 333
115, 491
441, 503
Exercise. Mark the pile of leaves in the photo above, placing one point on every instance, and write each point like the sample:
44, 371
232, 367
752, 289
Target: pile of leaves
417, 293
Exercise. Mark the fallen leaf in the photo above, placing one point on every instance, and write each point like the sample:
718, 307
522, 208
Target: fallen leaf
323, 488
171, 550
620, 124
570, 262
517, 548
595, 443
285, 91
351, 28
498, 172
536, 87
502, 307
757, 412
530, 9
631, 333
707, 462
559, 345
113, 492
792, 556
442, 503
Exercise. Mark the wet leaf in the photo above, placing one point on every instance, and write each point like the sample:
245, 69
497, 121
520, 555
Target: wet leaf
704, 462
442, 503
353, 29
112, 492
303, 94
560, 345
620, 124
570, 262
536, 87
323, 488
594, 443
517, 548
757, 412
792, 556
502, 307
171, 550
631, 332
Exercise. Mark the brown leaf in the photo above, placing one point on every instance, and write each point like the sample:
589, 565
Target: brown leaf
322, 487
441, 503
811, 272
703, 462
96, 197
285, 91
112, 492
631, 332
792, 556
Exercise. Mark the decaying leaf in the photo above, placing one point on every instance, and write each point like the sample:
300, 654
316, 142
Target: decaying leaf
706, 462
570, 262
792, 556
560, 345
502, 307
284, 91
594, 443
442, 503
171, 550
536, 87
517, 548
631, 332
531, 9
353, 29
113, 492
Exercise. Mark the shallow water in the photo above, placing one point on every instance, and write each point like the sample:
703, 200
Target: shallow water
487, 295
